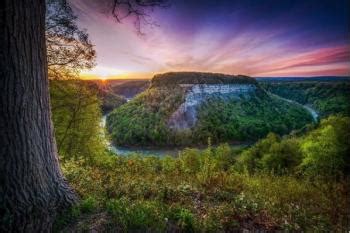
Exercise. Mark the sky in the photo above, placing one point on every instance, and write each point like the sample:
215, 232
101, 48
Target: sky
259, 38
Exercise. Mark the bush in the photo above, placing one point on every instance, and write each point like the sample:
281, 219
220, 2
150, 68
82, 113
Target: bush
326, 150
138, 215
183, 218
323, 152
88, 205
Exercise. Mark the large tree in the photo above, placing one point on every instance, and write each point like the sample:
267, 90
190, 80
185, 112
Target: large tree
32, 185
69, 49
33, 189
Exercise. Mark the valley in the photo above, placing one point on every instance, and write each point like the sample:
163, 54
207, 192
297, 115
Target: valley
172, 151
250, 155
184, 117
188, 109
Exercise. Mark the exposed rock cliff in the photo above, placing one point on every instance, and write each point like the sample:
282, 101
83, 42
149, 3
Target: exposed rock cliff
186, 115
187, 108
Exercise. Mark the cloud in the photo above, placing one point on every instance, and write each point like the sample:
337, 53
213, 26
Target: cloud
228, 37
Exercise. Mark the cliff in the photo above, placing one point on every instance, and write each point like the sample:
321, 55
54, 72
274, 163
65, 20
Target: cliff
186, 115
187, 108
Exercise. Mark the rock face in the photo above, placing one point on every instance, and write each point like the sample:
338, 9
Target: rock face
185, 116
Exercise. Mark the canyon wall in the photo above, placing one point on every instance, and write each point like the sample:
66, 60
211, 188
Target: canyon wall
185, 116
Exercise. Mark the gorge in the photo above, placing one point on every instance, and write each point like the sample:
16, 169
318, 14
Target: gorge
189, 108
185, 116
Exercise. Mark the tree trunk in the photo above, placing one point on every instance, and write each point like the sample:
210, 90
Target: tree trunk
33, 188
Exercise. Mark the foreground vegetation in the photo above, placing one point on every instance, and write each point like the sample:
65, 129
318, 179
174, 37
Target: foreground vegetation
76, 118
291, 183
298, 182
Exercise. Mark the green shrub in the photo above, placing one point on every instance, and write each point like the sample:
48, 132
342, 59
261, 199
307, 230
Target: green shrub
190, 160
88, 205
326, 150
137, 215
293, 204
183, 218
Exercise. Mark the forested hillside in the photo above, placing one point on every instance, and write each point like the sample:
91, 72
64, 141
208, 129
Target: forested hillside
326, 97
176, 78
109, 99
129, 88
222, 117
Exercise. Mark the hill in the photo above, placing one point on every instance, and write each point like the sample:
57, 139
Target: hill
188, 108
109, 99
326, 97
129, 88
175, 78
126, 88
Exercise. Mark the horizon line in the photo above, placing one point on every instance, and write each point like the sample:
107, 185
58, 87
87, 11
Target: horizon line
272, 77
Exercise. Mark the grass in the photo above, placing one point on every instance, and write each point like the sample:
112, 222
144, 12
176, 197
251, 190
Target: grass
202, 192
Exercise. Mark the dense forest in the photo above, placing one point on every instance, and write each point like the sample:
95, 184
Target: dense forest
144, 120
326, 97
176, 78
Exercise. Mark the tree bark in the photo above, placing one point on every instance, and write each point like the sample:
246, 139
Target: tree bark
33, 189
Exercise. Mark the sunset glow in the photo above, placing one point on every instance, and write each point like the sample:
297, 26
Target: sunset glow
292, 38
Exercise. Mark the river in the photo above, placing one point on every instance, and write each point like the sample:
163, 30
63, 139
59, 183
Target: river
148, 151
308, 108
173, 151
120, 150
312, 111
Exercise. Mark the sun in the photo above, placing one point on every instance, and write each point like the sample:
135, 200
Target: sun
101, 73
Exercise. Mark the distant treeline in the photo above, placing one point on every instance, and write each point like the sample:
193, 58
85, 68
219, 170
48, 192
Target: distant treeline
173, 78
